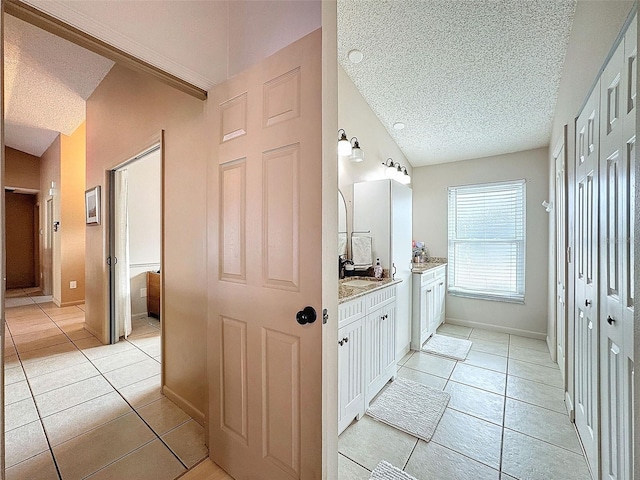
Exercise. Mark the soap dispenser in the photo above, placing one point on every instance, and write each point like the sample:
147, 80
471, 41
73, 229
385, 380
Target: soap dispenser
377, 270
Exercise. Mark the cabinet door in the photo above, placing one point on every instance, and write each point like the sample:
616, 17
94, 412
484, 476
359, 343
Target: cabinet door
441, 291
432, 308
389, 338
375, 334
350, 374
426, 300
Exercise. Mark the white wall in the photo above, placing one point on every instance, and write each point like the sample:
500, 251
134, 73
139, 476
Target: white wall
144, 208
358, 120
430, 225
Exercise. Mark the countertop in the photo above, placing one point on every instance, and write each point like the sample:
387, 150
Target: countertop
420, 268
347, 292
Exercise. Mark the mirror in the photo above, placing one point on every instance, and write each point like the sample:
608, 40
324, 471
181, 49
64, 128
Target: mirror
342, 225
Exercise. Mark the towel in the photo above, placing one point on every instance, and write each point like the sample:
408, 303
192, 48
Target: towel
361, 251
342, 244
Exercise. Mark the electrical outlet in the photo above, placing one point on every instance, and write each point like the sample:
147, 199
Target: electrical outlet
73, 284
143, 292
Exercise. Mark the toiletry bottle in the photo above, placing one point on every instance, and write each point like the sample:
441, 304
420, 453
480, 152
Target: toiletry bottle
377, 270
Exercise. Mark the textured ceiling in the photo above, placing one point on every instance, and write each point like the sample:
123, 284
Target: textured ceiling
47, 81
469, 79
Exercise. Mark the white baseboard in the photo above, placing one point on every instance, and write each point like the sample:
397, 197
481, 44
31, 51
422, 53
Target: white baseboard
496, 328
403, 351
185, 405
569, 405
135, 316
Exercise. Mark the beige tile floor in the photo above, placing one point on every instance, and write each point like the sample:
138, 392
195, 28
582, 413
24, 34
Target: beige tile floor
78, 409
506, 418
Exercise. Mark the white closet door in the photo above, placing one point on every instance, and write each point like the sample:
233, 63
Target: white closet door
617, 140
561, 256
586, 296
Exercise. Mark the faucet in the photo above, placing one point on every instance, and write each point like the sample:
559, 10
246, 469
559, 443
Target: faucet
342, 261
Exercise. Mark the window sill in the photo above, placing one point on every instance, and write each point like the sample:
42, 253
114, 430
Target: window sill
482, 296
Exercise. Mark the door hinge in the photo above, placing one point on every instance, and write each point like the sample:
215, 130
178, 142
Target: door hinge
325, 316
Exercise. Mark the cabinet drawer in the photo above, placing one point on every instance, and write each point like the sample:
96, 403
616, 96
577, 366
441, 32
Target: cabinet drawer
380, 298
429, 276
351, 311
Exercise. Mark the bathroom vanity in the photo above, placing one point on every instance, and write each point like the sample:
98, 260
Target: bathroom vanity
366, 343
428, 296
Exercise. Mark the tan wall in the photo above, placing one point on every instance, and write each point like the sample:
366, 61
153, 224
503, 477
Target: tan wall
430, 225
21, 169
72, 220
50, 172
20, 242
125, 114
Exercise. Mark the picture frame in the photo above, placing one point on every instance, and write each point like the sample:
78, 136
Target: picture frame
92, 206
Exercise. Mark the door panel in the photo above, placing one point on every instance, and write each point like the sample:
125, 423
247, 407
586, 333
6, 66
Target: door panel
586, 298
561, 257
265, 369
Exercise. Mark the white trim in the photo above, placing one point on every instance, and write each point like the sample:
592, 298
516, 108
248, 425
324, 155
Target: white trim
496, 328
67, 14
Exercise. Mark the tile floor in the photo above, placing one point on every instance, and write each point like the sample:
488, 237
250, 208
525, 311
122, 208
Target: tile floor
78, 409
506, 418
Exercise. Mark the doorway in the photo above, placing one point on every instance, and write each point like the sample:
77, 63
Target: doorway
135, 252
20, 237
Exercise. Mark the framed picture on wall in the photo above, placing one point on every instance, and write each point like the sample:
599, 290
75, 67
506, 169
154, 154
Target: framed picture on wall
92, 206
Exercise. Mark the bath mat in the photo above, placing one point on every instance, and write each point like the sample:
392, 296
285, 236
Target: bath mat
456, 348
411, 407
386, 471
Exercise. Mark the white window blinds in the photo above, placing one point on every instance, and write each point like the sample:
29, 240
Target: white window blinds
487, 241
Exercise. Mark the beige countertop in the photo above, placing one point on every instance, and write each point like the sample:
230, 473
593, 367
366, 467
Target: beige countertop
348, 292
420, 268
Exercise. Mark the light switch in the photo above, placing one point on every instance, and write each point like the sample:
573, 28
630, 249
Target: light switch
73, 284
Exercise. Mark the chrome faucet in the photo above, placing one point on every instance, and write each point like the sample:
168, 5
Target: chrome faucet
342, 261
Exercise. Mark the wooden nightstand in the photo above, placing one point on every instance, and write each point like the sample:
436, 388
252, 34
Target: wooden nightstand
153, 294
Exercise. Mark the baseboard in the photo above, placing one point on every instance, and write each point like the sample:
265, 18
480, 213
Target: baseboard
188, 407
95, 333
552, 349
496, 328
56, 302
403, 352
139, 315
68, 304
569, 405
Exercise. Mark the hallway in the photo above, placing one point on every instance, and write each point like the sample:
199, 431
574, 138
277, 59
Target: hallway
76, 408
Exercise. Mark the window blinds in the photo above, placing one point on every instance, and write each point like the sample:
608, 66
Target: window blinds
487, 241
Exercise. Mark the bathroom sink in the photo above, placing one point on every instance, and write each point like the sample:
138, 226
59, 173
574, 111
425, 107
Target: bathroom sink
359, 283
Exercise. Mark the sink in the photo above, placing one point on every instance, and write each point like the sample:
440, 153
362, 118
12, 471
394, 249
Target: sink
358, 283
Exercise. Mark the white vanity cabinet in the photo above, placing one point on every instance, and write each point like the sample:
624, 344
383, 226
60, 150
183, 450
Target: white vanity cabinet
366, 351
428, 312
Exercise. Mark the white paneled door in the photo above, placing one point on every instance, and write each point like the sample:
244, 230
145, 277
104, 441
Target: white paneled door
561, 256
617, 145
586, 295
265, 239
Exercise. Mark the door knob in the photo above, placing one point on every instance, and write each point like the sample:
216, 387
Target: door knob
587, 303
610, 320
306, 315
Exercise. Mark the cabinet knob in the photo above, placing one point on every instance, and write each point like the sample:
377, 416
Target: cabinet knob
340, 342
429, 291
345, 339
587, 303
441, 283
610, 320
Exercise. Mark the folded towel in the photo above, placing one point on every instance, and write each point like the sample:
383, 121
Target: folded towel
361, 251
342, 244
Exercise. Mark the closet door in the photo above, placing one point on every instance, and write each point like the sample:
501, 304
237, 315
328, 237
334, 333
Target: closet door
561, 256
586, 296
617, 140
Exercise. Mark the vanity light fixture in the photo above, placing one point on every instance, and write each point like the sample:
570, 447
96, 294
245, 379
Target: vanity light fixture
344, 145
396, 171
357, 155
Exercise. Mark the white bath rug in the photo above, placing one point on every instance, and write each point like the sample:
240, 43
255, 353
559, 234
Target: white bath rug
456, 348
411, 407
386, 471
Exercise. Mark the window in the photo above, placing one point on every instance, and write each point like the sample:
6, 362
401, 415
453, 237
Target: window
487, 241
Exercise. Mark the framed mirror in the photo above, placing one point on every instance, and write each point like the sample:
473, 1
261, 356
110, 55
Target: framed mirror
342, 225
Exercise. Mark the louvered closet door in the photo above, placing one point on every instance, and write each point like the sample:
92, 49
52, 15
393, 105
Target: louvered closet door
586, 297
617, 140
